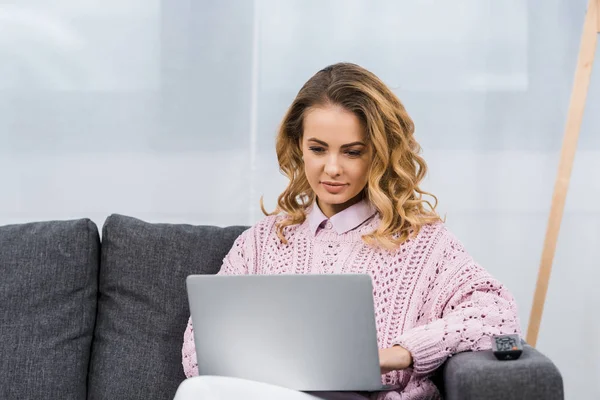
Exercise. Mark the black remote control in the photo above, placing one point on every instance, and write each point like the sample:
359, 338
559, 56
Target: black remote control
507, 347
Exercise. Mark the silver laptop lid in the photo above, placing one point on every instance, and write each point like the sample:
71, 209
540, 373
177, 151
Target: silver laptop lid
305, 332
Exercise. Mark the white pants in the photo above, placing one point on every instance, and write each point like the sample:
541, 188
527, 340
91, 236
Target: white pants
223, 388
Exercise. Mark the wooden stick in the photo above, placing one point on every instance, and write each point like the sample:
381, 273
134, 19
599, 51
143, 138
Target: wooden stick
598, 15
583, 72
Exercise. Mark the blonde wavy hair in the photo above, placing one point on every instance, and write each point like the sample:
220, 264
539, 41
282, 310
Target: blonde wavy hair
396, 170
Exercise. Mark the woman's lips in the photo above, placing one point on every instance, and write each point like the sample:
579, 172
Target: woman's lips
334, 188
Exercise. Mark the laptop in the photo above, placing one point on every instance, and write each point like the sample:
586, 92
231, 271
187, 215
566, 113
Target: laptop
303, 332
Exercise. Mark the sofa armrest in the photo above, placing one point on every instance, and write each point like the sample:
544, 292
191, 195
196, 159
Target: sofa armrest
479, 375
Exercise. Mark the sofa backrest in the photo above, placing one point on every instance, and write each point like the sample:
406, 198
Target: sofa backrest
142, 304
48, 287
80, 319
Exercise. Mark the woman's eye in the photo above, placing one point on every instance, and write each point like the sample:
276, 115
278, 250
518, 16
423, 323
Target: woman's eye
316, 150
354, 153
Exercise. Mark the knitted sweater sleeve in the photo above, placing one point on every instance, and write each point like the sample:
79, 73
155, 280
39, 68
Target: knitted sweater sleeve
239, 261
464, 313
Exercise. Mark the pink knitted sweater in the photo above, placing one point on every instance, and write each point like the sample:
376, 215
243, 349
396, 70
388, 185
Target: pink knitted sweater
430, 296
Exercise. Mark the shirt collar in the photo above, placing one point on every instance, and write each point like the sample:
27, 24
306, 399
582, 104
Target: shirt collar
345, 220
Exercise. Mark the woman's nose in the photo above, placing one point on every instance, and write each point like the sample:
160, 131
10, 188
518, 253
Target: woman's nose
333, 168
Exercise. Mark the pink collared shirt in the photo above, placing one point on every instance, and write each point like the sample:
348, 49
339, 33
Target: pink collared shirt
342, 222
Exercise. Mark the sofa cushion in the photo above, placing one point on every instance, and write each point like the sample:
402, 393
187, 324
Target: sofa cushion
48, 286
142, 305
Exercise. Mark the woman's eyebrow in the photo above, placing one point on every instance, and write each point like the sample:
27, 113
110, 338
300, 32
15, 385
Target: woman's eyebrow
343, 146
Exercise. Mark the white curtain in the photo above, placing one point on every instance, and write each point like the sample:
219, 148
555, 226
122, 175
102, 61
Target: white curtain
167, 111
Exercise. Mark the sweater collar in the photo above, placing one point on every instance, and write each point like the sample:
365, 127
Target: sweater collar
344, 221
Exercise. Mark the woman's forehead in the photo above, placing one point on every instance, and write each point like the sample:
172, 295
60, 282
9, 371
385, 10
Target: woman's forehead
333, 125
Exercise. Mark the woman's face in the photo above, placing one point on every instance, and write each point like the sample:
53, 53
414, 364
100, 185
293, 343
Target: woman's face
336, 157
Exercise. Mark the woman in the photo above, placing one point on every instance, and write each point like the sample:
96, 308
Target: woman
354, 205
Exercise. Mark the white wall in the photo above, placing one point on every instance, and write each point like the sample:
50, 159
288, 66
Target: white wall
167, 111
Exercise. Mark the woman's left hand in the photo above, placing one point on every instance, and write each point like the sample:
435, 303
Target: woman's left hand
394, 358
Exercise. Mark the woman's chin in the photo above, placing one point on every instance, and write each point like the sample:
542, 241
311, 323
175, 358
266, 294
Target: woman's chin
333, 199
329, 198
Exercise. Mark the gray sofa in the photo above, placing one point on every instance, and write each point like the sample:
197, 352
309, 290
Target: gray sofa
84, 318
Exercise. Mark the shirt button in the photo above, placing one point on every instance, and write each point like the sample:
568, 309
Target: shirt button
328, 225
